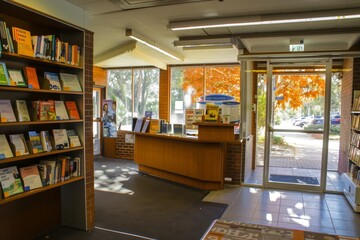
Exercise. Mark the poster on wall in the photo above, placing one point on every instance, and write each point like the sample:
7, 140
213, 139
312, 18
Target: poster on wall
109, 118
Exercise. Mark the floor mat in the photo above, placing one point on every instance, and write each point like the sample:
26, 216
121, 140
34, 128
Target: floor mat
294, 179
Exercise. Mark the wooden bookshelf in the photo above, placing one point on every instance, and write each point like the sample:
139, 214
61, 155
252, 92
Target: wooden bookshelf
39, 190
8, 124
351, 179
42, 154
63, 203
32, 90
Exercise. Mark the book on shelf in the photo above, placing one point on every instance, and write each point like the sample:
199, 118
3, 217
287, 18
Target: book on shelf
74, 139
24, 42
138, 125
178, 129
31, 77
12, 44
46, 110
6, 111
61, 140
46, 141
70, 82
61, 112
72, 110
43, 173
10, 181
4, 36
154, 126
211, 112
30, 177
22, 111
145, 126
52, 81
19, 144
50, 171
4, 75
35, 142
17, 77
148, 114
5, 150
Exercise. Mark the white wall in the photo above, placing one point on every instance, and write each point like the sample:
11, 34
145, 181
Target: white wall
60, 9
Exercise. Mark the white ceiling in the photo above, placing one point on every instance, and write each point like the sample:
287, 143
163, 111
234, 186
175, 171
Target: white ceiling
109, 19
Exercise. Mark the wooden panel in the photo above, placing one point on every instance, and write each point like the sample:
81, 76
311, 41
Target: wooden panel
206, 185
109, 147
216, 131
99, 76
164, 95
180, 159
28, 217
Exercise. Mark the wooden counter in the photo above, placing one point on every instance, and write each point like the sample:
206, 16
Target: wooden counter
216, 131
190, 161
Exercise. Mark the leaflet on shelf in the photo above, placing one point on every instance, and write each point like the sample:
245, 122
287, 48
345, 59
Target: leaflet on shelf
61, 112
31, 177
61, 140
5, 150
22, 111
6, 111
19, 144
53, 81
70, 82
35, 142
10, 181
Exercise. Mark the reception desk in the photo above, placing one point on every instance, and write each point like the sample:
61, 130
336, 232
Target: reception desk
184, 160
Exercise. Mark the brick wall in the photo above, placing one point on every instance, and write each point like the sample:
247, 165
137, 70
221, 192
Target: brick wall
124, 150
99, 76
164, 95
88, 116
233, 163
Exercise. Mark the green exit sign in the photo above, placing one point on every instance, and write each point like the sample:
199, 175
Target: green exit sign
297, 47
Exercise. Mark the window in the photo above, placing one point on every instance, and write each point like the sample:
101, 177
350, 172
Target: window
135, 91
190, 84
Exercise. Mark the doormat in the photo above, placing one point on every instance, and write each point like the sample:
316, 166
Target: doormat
294, 179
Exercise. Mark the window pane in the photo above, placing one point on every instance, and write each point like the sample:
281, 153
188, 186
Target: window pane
119, 89
187, 85
223, 80
146, 92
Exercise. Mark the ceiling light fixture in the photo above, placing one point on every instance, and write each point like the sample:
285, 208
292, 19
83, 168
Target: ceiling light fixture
130, 33
212, 42
266, 19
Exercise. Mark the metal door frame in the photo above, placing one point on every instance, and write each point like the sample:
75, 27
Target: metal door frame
269, 129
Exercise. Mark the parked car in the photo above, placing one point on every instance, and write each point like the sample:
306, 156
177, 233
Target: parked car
300, 122
317, 121
335, 119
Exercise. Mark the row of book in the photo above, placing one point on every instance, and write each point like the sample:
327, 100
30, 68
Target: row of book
28, 77
37, 142
355, 139
51, 171
192, 116
154, 126
47, 47
40, 110
354, 173
355, 122
356, 104
354, 154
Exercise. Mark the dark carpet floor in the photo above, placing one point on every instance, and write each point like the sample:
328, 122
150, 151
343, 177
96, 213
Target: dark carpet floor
138, 204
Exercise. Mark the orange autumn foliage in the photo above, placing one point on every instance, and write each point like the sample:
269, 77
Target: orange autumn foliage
296, 90
221, 80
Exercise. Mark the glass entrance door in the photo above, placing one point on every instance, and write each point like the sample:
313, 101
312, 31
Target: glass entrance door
297, 125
